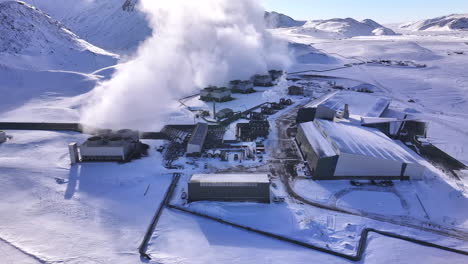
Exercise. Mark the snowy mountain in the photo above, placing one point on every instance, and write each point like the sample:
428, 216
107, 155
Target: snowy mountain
343, 28
31, 39
277, 20
114, 25
443, 23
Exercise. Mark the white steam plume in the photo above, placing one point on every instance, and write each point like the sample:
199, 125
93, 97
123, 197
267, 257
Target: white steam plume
195, 44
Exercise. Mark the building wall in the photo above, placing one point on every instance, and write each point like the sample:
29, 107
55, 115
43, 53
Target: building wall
257, 192
325, 113
107, 152
2, 137
356, 165
194, 148
320, 167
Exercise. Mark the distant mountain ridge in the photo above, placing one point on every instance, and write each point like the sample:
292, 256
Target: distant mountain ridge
444, 23
343, 28
278, 20
114, 25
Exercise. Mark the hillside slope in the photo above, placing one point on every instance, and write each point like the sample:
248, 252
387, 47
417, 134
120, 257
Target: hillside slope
114, 25
444, 23
343, 28
277, 20
31, 39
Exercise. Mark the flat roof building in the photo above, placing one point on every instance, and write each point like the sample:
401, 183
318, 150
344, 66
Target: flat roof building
262, 80
240, 187
196, 142
217, 94
344, 151
238, 86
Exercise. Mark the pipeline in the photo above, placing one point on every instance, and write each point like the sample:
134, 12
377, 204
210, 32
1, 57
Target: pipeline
149, 232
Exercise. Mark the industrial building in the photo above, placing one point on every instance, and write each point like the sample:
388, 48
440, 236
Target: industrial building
216, 94
244, 87
275, 74
224, 113
340, 104
295, 90
252, 130
107, 146
197, 140
344, 151
262, 80
3, 137
403, 129
248, 187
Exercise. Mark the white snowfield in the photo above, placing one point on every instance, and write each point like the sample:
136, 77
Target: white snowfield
52, 212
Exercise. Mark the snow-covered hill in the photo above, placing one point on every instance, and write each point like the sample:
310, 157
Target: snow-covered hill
31, 39
343, 28
277, 20
443, 23
114, 25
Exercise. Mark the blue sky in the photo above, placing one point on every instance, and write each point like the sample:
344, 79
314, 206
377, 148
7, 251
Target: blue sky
383, 11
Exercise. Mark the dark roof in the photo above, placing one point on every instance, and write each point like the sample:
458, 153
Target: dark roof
199, 134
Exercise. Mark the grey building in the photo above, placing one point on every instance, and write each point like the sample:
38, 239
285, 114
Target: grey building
196, 142
3, 137
224, 113
295, 90
107, 146
238, 86
262, 80
229, 187
336, 151
404, 129
216, 94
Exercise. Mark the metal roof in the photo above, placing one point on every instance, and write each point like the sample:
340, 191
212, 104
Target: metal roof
230, 178
318, 140
199, 134
361, 104
365, 141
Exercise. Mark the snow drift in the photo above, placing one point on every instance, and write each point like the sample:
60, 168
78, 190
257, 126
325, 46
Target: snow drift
443, 23
197, 43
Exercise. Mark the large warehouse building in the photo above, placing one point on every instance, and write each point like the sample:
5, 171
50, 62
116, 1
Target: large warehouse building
343, 151
229, 187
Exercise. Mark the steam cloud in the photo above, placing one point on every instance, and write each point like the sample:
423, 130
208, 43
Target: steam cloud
195, 44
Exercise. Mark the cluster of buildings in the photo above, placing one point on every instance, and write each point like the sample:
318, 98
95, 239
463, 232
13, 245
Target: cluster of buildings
223, 94
336, 147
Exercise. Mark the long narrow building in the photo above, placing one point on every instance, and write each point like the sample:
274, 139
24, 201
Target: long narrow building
229, 187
